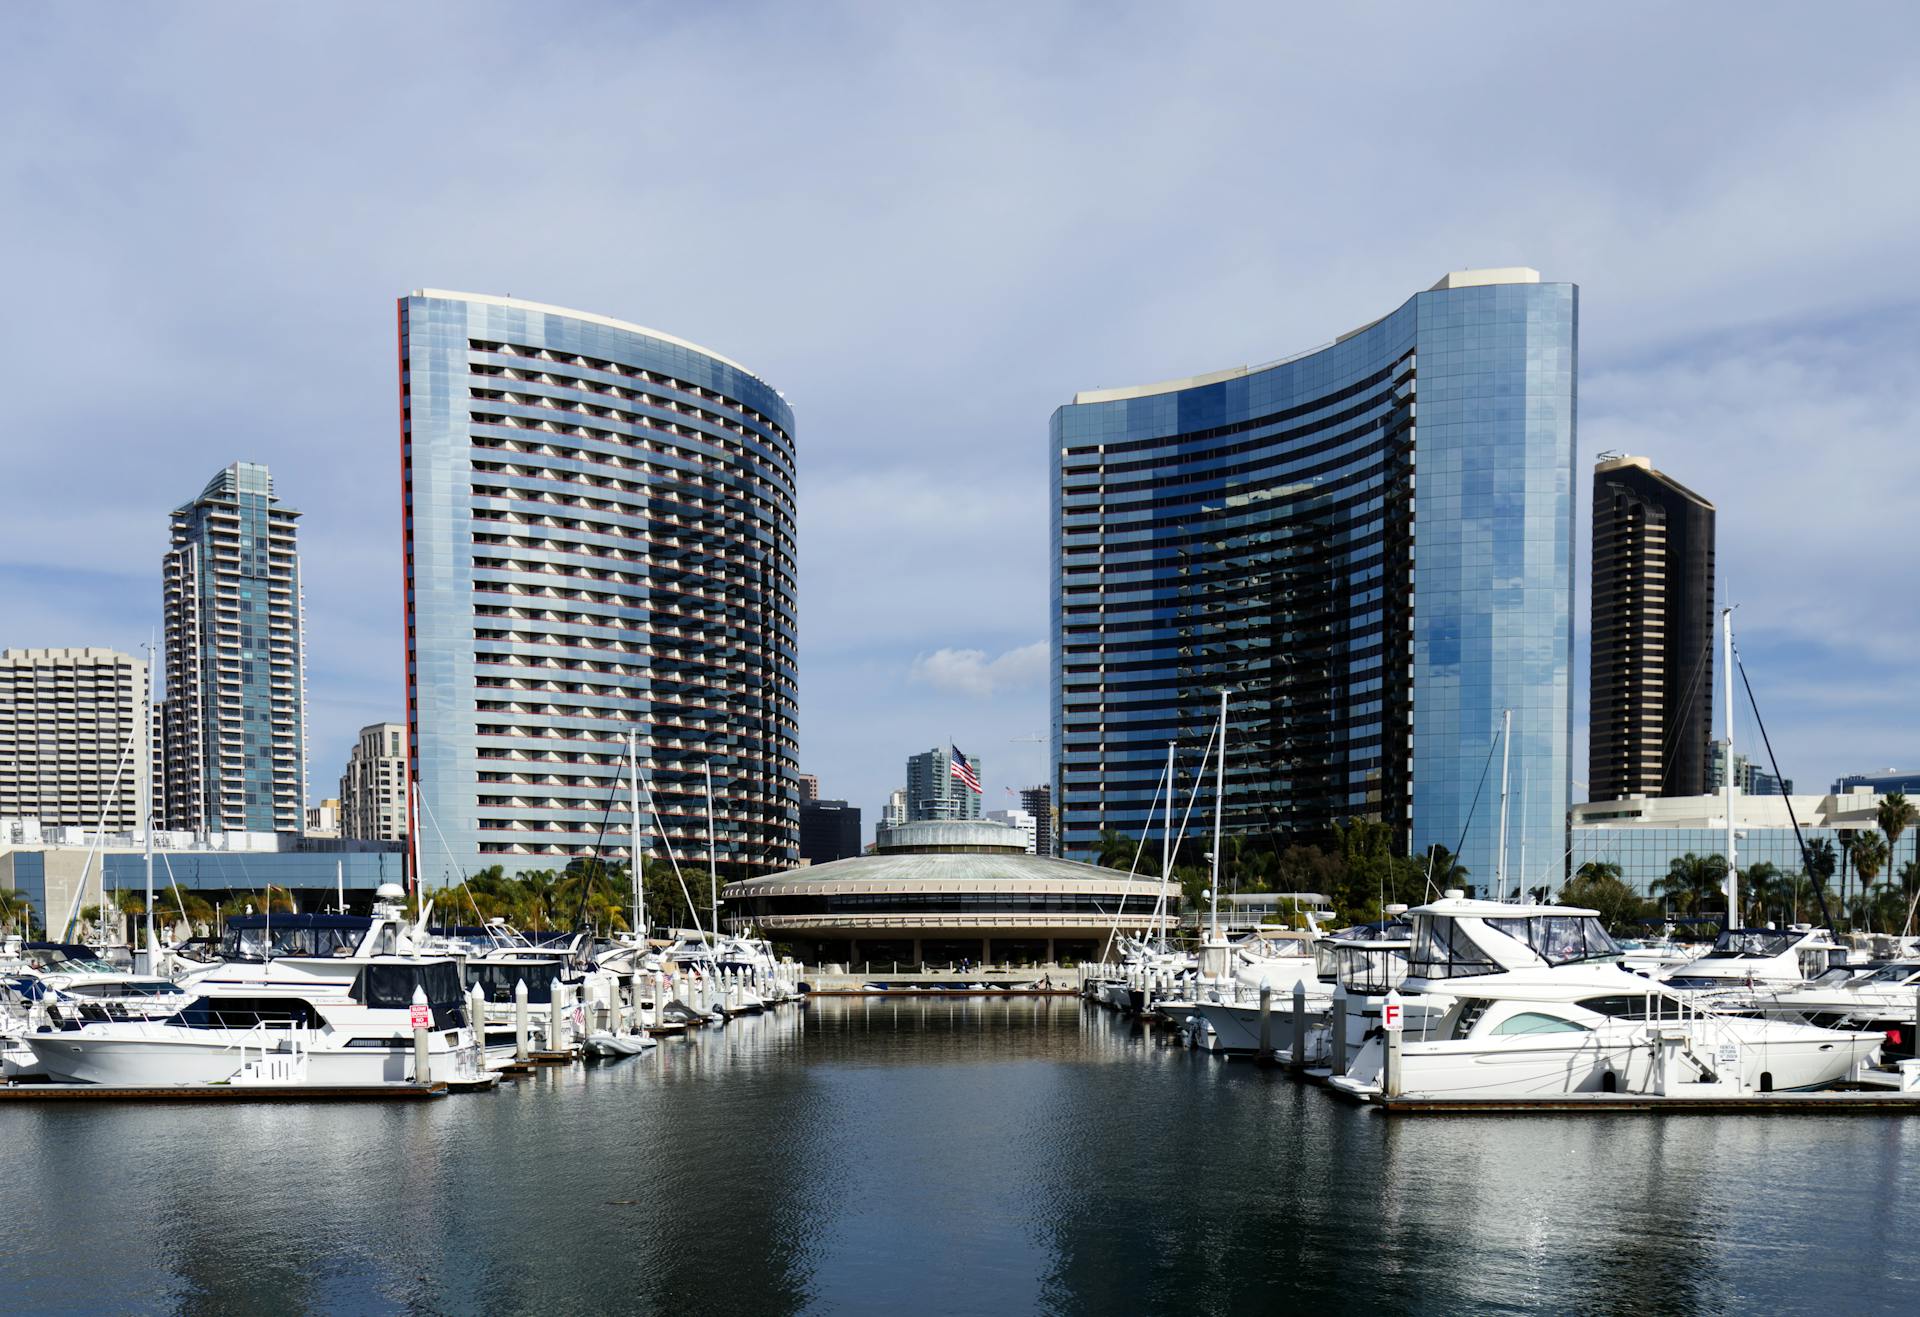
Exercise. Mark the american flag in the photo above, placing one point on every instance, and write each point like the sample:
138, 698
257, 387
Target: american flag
964, 771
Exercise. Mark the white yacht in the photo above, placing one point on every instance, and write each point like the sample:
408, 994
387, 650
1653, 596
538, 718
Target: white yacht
1539, 1006
227, 1034
1885, 997
1743, 959
61, 983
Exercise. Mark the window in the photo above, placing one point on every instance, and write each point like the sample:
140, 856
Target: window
1442, 950
1533, 1022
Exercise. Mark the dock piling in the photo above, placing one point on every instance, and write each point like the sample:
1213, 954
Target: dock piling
520, 1023
1299, 1026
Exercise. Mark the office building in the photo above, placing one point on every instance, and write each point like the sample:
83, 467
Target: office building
1038, 801
74, 727
598, 536
936, 790
235, 711
808, 786
1644, 835
1651, 696
1256, 529
373, 790
1021, 822
1884, 784
829, 830
1752, 779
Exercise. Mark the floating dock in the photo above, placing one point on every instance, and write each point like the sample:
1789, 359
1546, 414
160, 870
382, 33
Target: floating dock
222, 1092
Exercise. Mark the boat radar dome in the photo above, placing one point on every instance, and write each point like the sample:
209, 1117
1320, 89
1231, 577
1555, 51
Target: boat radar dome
1395, 908
390, 892
1455, 894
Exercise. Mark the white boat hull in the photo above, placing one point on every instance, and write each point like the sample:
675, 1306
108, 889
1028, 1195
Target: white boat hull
172, 1056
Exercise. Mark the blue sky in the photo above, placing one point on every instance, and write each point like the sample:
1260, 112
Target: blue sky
928, 227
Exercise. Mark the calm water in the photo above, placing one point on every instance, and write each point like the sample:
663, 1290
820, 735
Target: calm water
966, 1156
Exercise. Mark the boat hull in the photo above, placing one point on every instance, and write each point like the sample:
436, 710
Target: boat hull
169, 1059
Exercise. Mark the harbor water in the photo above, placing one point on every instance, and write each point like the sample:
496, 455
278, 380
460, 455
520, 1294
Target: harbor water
965, 1155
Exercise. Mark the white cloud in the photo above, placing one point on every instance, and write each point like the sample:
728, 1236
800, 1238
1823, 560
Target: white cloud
971, 672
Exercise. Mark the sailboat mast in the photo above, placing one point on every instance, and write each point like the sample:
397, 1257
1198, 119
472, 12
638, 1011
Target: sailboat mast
633, 838
1219, 812
713, 868
146, 812
1166, 843
1506, 757
1733, 870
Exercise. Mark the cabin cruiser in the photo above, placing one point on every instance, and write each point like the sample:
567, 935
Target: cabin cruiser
228, 1033
1885, 997
1537, 1005
1364, 960
1749, 958
59, 984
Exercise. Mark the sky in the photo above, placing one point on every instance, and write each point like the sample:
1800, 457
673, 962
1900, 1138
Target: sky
928, 226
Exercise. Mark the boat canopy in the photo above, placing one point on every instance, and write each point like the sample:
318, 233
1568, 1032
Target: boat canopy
1755, 943
390, 985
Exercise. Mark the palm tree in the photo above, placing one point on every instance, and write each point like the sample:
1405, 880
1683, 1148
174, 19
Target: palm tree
1692, 881
1115, 849
1763, 884
1869, 857
16, 907
1446, 869
176, 903
1895, 815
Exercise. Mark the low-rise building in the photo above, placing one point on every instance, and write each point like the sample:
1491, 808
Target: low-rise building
1644, 835
941, 891
1021, 822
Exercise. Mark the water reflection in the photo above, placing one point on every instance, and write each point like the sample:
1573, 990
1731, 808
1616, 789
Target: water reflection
947, 1155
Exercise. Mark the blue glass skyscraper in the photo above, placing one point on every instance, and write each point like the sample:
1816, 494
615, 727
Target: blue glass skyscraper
1370, 545
599, 541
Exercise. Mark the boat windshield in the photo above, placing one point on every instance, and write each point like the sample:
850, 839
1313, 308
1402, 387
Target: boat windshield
124, 988
1752, 944
57, 958
254, 939
496, 979
1443, 950
248, 1013
1559, 939
1898, 972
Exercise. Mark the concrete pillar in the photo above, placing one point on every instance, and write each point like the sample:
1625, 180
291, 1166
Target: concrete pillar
1050, 959
853, 955
986, 951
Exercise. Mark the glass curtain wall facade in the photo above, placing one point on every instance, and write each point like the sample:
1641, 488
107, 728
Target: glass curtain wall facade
235, 713
599, 539
1370, 546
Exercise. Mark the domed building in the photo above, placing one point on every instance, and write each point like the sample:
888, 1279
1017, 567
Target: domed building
942, 891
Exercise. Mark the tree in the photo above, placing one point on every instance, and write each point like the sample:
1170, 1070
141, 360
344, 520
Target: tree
1693, 881
1895, 815
1444, 869
1116, 850
1869, 857
16, 909
177, 903
1765, 888
1594, 888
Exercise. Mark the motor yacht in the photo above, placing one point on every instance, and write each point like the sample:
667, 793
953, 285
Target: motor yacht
1743, 959
363, 1035
1538, 1005
60, 983
1886, 997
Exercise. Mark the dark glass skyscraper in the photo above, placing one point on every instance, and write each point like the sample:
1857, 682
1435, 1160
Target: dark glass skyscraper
1649, 731
1370, 545
599, 535
234, 719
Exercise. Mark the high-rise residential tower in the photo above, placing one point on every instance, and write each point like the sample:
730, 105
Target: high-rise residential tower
74, 730
599, 541
373, 790
1650, 701
936, 791
235, 712
1257, 529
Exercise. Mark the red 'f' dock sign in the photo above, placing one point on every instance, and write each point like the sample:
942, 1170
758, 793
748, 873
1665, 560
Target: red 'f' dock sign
1390, 1016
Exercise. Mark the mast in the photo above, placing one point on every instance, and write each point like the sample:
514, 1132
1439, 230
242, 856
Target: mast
1166, 844
1506, 756
146, 811
1733, 871
340, 884
1219, 811
713, 869
633, 838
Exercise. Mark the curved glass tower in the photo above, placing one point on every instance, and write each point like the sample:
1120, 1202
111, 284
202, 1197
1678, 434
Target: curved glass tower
599, 533
1369, 545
